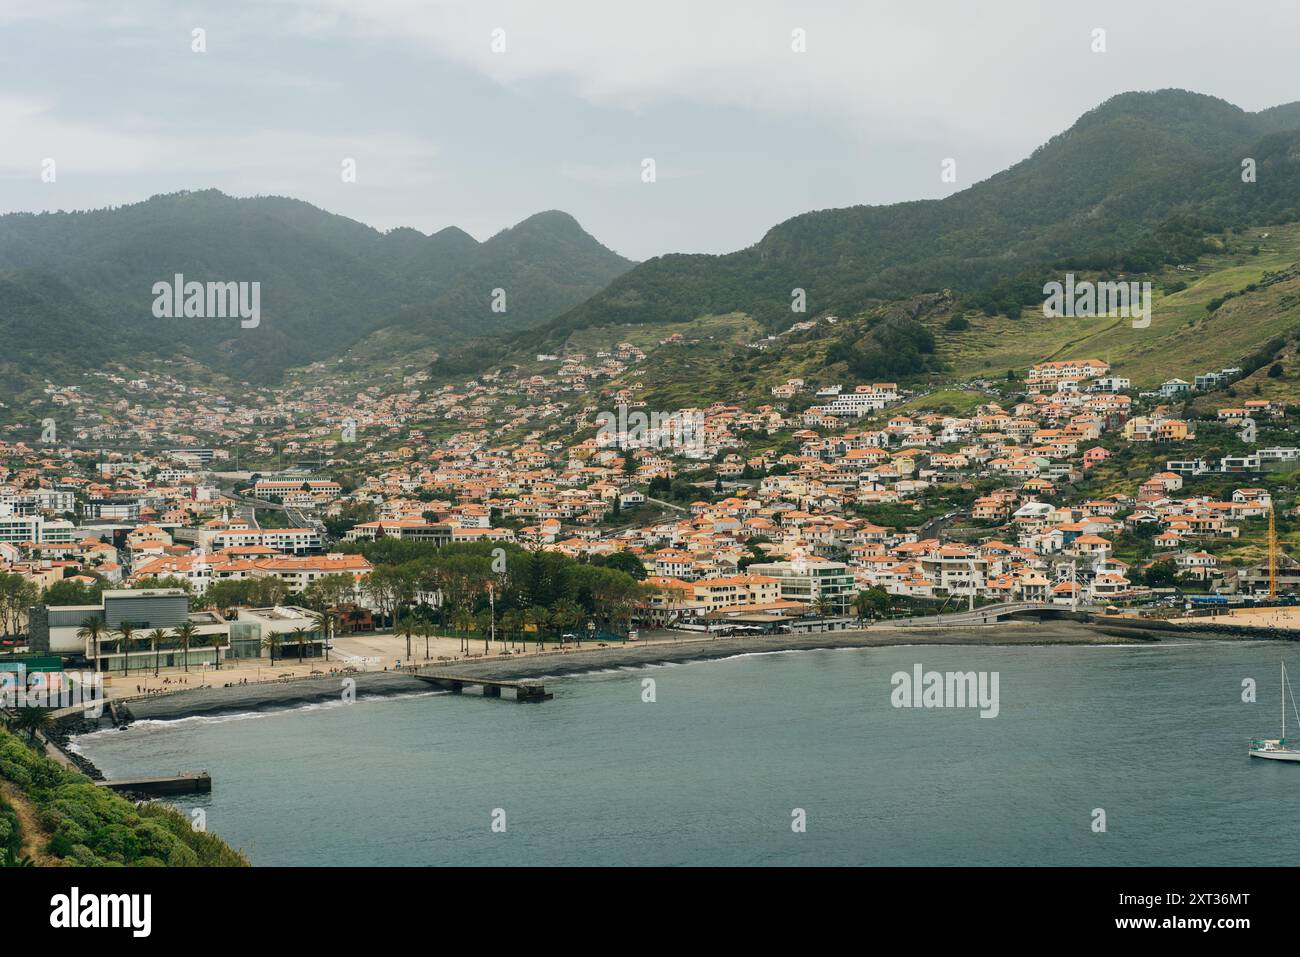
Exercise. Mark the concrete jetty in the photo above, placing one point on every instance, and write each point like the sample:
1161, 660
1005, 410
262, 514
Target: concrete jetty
524, 690
200, 783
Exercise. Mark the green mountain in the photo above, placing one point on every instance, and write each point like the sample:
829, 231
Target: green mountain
1133, 184
1235, 305
76, 287
544, 265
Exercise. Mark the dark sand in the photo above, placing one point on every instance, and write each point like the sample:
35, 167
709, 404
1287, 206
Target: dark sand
303, 691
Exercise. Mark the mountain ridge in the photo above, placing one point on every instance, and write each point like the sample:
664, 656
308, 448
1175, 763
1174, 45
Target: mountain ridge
327, 280
1103, 192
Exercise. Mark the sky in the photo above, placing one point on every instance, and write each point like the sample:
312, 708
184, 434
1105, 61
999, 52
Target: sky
479, 113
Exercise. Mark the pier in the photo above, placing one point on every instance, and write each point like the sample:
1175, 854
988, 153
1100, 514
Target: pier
523, 690
200, 783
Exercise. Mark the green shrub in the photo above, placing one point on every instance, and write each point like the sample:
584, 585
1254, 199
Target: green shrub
91, 826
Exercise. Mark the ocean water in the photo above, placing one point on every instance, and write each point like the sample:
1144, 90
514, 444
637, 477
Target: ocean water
712, 771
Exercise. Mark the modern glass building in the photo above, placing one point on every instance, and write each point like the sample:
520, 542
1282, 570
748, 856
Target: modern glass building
808, 580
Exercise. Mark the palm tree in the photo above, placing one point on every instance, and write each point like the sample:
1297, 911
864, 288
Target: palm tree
462, 620
33, 720
566, 613
272, 642
300, 637
425, 631
823, 605
93, 630
482, 623
156, 638
406, 627
871, 602
356, 616
322, 621
862, 604
125, 635
185, 634
538, 617
511, 622
214, 640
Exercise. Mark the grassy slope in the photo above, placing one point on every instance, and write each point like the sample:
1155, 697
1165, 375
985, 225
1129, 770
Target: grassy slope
1182, 340
956, 401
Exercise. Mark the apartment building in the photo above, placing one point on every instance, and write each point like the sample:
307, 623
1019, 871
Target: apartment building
405, 529
806, 580
17, 529
735, 591
267, 489
293, 541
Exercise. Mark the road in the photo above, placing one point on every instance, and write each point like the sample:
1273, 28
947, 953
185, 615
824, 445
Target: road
659, 501
935, 526
297, 517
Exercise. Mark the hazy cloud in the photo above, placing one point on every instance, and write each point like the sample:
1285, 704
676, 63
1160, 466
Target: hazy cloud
745, 131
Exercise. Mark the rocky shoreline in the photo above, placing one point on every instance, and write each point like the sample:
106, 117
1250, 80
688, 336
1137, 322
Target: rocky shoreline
61, 733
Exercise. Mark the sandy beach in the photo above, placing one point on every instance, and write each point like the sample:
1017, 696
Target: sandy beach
1285, 618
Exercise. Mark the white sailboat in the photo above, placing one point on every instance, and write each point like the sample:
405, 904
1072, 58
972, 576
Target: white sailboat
1277, 749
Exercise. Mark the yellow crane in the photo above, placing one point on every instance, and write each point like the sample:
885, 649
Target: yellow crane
1274, 553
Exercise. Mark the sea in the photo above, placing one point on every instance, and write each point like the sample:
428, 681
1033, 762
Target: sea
1094, 755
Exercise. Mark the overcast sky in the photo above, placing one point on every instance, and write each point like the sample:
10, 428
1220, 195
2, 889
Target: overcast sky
744, 131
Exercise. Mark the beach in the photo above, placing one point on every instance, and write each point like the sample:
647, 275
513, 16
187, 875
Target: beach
320, 688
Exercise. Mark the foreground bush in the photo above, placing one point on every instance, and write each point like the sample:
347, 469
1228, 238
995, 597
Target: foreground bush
94, 827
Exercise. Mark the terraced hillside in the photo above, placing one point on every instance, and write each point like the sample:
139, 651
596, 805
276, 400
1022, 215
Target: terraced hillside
1184, 337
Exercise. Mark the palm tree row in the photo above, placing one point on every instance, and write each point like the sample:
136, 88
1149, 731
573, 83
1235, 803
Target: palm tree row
96, 631
324, 623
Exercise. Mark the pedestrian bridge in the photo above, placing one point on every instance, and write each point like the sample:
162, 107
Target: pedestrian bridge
1004, 611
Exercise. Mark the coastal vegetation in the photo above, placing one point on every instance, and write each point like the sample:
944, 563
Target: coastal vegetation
50, 815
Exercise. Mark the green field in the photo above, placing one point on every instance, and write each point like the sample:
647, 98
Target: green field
956, 401
1183, 338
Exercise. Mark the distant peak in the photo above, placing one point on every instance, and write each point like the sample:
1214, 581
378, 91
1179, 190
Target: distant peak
1164, 106
454, 233
554, 219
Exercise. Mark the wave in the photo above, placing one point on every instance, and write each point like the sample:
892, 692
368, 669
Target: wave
145, 724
